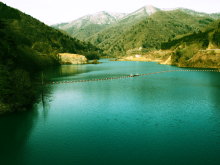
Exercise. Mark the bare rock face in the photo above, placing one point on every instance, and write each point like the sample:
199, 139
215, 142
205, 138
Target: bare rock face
68, 58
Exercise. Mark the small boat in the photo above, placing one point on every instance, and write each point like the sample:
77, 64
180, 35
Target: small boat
133, 75
136, 74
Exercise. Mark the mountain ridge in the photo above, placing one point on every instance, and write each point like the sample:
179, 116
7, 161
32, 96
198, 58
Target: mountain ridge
145, 10
99, 18
148, 32
85, 29
92, 23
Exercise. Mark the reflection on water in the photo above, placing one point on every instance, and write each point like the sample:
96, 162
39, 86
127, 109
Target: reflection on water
71, 72
170, 118
15, 132
214, 80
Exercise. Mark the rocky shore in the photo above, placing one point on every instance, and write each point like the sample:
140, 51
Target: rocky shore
68, 58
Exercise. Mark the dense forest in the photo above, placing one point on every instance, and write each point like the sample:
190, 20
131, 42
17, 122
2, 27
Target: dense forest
28, 46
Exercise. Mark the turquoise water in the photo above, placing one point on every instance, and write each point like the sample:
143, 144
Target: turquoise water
170, 118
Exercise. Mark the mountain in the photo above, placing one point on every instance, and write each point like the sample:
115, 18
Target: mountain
88, 25
200, 49
26, 47
147, 32
42, 38
142, 12
206, 39
195, 50
146, 28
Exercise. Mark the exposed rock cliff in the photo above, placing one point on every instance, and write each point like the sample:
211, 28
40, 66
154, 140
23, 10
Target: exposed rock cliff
68, 58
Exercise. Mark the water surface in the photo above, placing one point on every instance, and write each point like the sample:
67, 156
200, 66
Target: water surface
168, 118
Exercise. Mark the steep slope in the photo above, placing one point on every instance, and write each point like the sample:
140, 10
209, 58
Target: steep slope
42, 38
26, 47
200, 49
148, 32
208, 38
88, 25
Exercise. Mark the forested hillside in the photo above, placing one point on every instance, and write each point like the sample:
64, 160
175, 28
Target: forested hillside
200, 49
148, 33
26, 47
145, 28
209, 36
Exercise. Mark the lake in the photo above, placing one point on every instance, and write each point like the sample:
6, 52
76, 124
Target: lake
170, 118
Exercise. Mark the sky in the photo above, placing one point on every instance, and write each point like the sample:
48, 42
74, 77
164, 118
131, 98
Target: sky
58, 11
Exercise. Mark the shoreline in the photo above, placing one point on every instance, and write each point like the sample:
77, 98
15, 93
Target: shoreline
201, 59
162, 63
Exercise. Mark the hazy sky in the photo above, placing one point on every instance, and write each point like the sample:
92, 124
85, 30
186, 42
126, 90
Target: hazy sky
57, 11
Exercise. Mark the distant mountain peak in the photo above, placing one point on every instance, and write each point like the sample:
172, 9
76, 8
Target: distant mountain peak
143, 11
99, 18
148, 10
106, 17
90, 25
